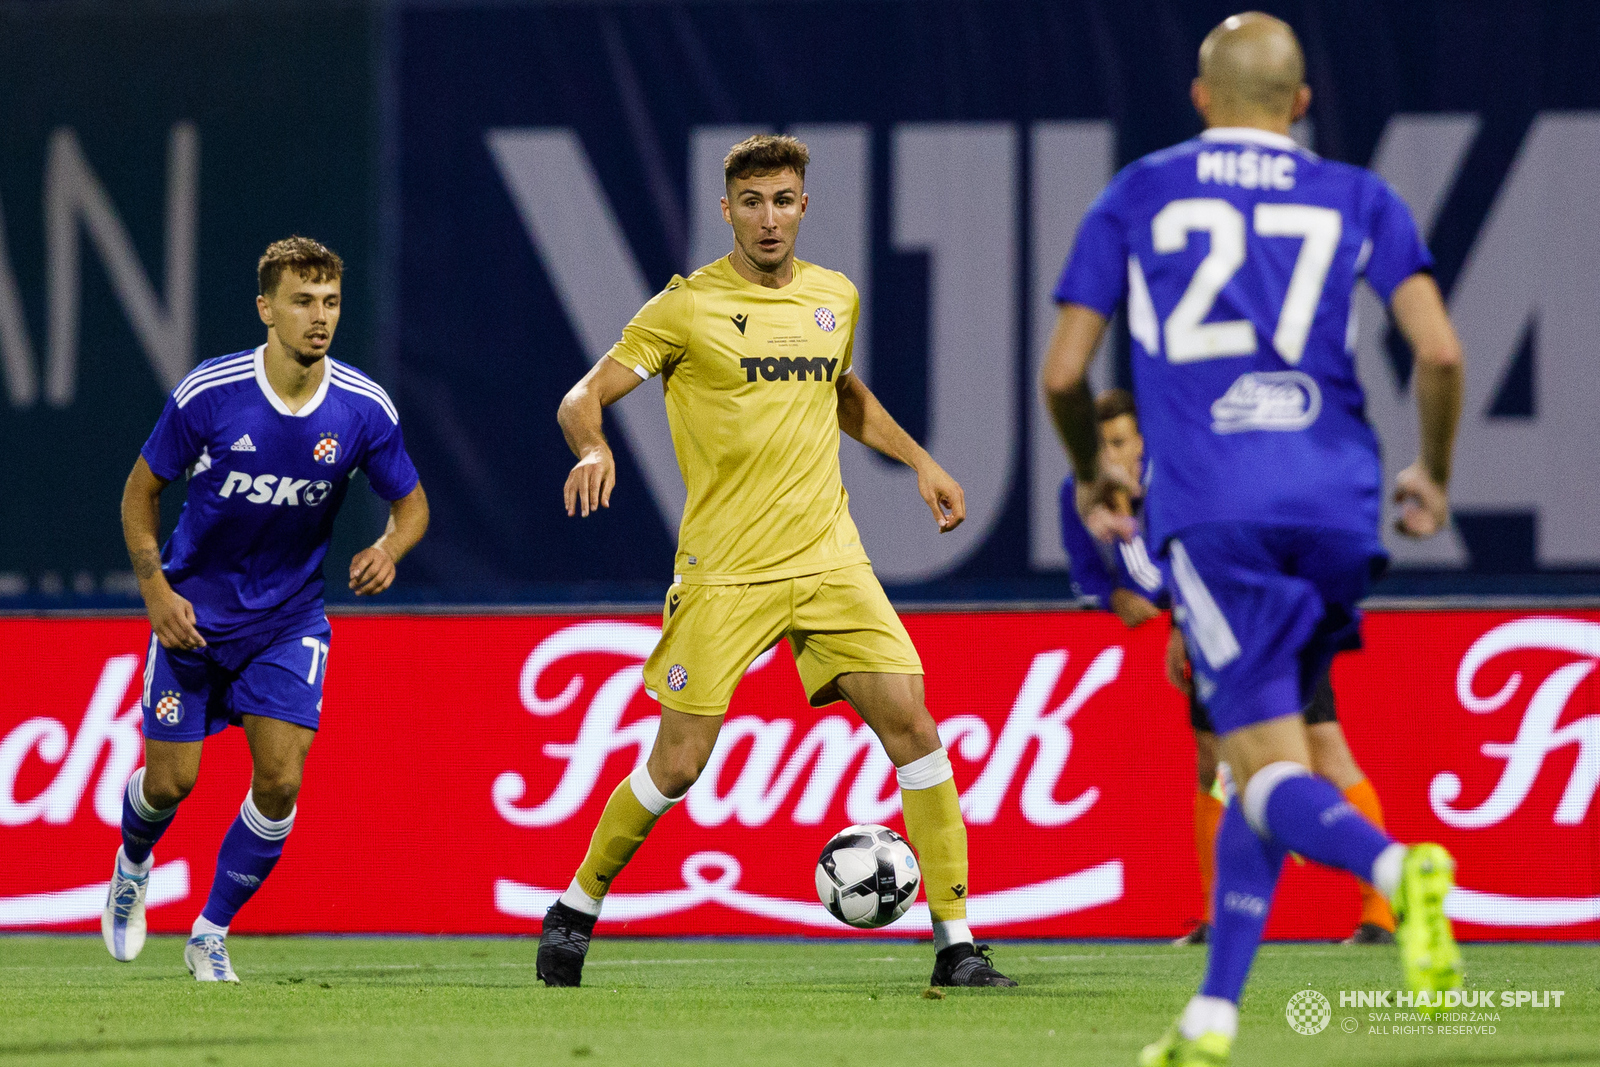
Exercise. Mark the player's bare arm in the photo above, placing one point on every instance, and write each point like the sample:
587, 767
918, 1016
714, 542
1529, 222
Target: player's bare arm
1422, 489
1131, 608
372, 569
863, 417
1065, 383
592, 478
171, 616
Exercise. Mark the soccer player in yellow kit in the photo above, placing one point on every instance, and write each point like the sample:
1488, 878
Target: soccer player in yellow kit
754, 356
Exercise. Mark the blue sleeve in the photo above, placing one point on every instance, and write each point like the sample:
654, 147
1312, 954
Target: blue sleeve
1096, 274
388, 467
1397, 248
1085, 564
175, 443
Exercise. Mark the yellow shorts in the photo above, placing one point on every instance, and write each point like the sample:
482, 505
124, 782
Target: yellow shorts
837, 622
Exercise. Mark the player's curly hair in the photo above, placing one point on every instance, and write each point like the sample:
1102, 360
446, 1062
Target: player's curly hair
311, 260
765, 153
1114, 403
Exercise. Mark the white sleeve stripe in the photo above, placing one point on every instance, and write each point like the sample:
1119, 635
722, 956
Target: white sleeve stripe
376, 397
372, 391
360, 381
1211, 630
211, 368
248, 372
196, 377
388, 409
643, 374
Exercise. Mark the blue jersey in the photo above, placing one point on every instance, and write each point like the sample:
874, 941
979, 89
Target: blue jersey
1238, 254
1097, 569
265, 484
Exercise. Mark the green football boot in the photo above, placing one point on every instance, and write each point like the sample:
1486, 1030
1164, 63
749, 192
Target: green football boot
1428, 953
1172, 1049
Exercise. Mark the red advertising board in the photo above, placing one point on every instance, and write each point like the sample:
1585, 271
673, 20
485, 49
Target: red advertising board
463, 761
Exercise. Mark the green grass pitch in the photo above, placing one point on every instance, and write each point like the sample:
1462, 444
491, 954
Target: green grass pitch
337, 1001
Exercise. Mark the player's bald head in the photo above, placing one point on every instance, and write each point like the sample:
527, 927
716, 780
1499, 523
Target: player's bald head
1253, 63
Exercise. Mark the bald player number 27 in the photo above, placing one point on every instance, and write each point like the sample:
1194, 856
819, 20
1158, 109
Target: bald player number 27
1187, 336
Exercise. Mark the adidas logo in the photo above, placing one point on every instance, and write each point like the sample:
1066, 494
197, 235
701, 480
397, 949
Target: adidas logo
243, 444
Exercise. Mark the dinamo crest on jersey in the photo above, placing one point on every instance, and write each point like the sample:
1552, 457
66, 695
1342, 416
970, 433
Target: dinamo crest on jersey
169, 709
326, 449
826, 320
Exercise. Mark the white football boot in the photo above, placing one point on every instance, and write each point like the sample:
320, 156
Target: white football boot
206, 956
122, 924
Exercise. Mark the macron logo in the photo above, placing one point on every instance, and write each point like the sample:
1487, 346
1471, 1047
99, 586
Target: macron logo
243, 444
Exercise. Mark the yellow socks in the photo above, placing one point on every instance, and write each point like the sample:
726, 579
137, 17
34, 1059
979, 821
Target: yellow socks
1374, 909
933, 823
1207, 817
633, 809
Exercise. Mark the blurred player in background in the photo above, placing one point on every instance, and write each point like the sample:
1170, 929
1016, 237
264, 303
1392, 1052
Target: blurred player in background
754, 355
1123, 578
1238, 254
268, 440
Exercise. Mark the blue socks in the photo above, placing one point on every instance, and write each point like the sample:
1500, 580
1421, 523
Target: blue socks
1309, 815
1284, 807
1247, 874
142, 825
249, 852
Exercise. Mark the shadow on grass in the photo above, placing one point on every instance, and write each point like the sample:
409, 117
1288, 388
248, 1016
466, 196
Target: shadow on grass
149, 1044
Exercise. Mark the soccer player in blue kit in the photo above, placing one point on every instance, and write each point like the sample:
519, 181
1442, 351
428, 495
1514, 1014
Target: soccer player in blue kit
1238, 254
268, 440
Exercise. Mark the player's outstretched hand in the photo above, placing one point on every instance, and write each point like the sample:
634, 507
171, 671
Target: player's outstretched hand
371, 571
172, 619
1423, 503
943, 496
589, 485
1094, 500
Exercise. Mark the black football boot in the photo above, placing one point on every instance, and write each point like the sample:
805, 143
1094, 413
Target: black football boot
562, 945
966, 964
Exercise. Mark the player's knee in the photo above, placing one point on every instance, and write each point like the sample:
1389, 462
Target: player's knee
168, 787
275, 792
679, 770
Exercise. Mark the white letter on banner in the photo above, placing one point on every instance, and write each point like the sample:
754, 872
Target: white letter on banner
1028, 723
101, 726
1071, 163
578, 239
1536, 263
955, 199
16, 347
72, 193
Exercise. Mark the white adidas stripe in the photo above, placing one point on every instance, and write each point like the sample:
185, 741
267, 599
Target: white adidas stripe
368, 389
261, 826
372, 394
243, 375
195, 377
1210, 627
350, 374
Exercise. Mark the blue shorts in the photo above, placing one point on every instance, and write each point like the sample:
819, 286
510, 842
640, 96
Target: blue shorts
1264, 610
189, 695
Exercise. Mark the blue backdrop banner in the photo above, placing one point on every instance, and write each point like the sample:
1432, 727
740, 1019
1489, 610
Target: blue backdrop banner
558, 163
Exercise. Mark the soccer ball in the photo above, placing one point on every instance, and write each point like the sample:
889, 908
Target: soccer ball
867, 876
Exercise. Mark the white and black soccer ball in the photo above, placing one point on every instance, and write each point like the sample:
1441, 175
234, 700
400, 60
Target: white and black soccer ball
867, 876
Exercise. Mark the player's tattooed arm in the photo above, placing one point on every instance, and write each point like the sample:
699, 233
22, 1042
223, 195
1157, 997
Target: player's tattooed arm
1065, 384
593, 477
863, 416
372, 569
171, 616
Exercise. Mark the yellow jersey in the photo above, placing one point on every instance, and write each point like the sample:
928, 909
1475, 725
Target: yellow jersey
749, 374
